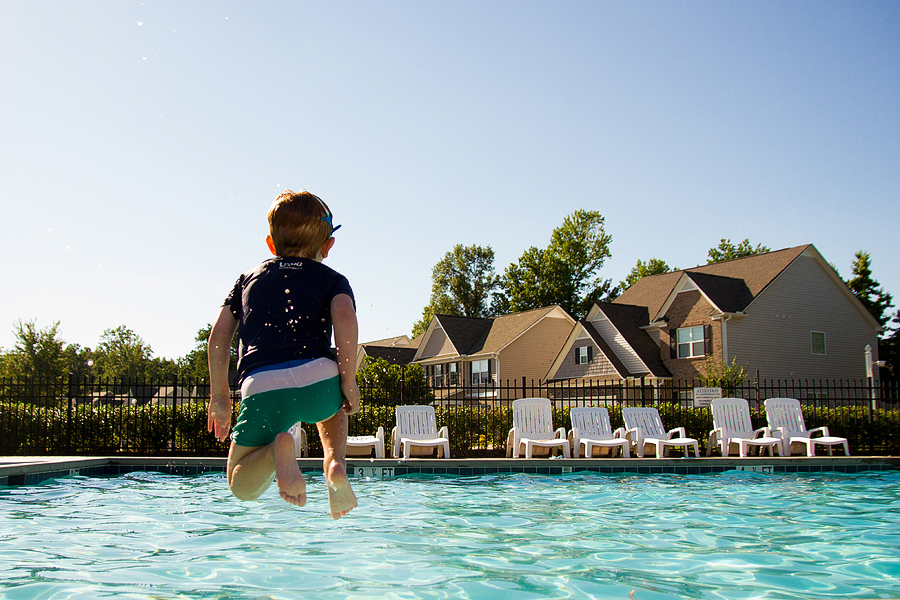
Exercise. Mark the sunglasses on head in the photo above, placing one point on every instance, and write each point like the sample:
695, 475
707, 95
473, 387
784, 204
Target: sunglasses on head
327, 219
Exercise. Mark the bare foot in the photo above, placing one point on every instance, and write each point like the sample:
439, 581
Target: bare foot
340, 495
291, 484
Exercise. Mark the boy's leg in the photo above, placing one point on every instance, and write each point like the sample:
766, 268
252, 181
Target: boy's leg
251, 470
333, 433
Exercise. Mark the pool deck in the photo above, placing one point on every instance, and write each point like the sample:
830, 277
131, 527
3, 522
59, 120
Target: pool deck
32, 470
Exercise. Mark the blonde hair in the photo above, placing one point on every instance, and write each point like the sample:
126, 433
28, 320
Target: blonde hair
297, 223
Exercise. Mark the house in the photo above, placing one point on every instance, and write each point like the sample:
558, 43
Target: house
786, 314
481, 352
398, 350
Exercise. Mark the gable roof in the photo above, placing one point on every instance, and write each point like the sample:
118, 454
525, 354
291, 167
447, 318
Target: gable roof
628, 320
488, 335
398, 355
731, 285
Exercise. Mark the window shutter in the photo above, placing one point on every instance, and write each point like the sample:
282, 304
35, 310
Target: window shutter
590, 353
707, 340
672, 344
490, 370
576, 355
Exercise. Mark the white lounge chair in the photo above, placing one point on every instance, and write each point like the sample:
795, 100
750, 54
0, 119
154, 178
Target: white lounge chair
363, 445
591, 429
644, 427
785, 419
533, 427
732, 427
299, 435
417, 429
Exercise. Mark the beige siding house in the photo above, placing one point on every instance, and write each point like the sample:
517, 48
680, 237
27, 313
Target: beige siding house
785, 314
480, 353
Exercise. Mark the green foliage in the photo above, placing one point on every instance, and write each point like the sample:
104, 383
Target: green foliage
195, 365
462, 283
867, 289
84, 429
654, 266
38, 353
728, 251
565, 273
122, 354
380, 380
726, 376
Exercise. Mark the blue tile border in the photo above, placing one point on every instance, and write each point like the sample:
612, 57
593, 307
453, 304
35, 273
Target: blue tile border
36, 470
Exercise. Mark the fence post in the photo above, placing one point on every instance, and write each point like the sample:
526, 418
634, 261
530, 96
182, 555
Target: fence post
174, 410
402, 384
70, 395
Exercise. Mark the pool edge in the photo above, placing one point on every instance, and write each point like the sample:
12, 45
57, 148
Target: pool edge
16, 471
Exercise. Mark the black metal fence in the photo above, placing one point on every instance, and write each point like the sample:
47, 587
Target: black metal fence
78, 416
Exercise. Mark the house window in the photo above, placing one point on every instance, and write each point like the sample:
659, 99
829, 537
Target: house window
583, 355
452, 374
818, 342
438, 375
690, 342
481, 372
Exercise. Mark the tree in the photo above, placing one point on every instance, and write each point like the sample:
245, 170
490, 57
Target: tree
462, 284
565, 273
122, 354
380, 380
195, 365
889, 348
654, 266
37, 353
724, 375
870, 293
728, 251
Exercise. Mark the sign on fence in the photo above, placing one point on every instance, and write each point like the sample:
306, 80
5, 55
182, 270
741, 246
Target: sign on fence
704, 396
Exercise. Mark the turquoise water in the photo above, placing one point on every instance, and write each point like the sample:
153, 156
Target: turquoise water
732, 535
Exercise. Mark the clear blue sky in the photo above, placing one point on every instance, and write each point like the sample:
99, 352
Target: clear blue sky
142, 142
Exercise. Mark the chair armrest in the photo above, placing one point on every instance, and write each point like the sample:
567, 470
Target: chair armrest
764, 431
380, 434
395, 443
634, 435
823, 430
714, 437
619, 433
575, 436
679, 430
561, 433
512, 438
444, 432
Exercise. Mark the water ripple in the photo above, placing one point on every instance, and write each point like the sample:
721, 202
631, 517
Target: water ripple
735, 535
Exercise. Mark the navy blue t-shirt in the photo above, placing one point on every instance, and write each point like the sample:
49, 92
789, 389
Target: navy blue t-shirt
283, 308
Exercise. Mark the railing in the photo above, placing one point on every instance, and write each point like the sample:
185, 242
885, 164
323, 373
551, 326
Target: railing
80, 416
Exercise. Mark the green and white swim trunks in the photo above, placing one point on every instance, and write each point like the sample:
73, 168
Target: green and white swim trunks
276, 397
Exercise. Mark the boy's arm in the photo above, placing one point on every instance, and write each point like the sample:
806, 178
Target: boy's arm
346, 333
218, 352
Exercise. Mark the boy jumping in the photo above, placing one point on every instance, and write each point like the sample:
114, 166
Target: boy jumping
283, 311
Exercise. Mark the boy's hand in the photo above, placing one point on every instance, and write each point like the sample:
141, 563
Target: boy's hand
351, 397
219, 416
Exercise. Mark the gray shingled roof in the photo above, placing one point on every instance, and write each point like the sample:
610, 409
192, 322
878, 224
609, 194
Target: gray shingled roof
628, 320
398, 355
720, 281
473, 335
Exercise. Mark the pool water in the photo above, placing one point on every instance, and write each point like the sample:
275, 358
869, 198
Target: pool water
732, 535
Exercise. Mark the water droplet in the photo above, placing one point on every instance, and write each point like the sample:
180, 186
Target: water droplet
287, 291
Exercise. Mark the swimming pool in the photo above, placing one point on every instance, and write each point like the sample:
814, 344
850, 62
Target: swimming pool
731, 535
